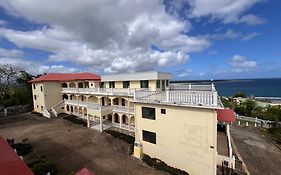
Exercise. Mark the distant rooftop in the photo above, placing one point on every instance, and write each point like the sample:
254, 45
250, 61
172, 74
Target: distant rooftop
153, 75
66, 77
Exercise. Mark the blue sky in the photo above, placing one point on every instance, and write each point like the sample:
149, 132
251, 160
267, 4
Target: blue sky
193, 39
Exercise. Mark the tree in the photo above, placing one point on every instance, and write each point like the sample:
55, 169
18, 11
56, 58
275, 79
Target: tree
7, 79
240, 94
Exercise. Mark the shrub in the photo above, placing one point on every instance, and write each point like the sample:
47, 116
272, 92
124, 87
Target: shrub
75, 120
160, 165
240, 94
42, 167
22, 148
275, 133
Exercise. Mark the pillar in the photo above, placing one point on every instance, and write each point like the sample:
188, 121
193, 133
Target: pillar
88, 121
247, 124
129, 122
112, 118
120, 119
239, 122
101, 124
255, 124
120, 101
111, 101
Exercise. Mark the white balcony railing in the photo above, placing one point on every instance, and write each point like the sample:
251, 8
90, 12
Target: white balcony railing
89, 105
181, 95
191, 87
123, 109
101, 91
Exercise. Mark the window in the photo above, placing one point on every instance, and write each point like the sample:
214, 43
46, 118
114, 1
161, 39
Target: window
91, 84
149, 136
101, 85
42, 107
167, 83
148, 113
37, 106
144, 83
80, 85
163, 111
111, 84
41, 87
158, 84
35, 97
34, 86
126, 84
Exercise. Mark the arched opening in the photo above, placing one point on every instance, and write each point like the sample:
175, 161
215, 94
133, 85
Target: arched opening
93, 99
65, 97
75, 109
115, 101
80, 110
105, 101
124, 119
67, 108
116, 118
109, 117
123, 102
85, 111
64, 85
71, 108
72, 85
132, 121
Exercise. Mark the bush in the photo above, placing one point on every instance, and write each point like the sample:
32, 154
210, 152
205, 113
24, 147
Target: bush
22, 148
75, 120
42, 167
275, 133
240, 94
160, 165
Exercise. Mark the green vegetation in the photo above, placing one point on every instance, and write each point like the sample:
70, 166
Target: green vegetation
160, 165
275, 134
75, 120
43, 166
14, 86
124, 137
240, 94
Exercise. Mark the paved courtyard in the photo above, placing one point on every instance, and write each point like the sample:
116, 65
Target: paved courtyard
72, 147
260, 156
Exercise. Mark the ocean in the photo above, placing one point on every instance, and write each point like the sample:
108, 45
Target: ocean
269, 87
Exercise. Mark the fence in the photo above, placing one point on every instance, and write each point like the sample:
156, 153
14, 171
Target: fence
12, 110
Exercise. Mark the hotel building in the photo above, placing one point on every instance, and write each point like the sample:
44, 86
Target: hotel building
176, 123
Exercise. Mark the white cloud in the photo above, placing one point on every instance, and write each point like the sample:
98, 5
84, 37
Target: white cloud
250, 36
251, 20
228, 11
105, 35
242, 64
2, 22
35, 68
184, 72
10, 53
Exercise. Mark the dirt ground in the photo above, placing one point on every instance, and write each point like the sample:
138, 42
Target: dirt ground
71, 147
260, 156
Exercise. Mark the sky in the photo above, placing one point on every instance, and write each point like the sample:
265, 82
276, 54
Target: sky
193, 39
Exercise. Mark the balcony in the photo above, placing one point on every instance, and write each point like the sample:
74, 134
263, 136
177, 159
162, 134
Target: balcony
181, 94
100, 91
123, 109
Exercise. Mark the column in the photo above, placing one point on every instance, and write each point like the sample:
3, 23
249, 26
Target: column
88, 120
129, 122
112, 118
101, 124
111, 101
128, 105
120, 119
120, 101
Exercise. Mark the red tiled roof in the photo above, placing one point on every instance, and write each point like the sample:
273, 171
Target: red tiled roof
66, 77
84, 171
225, 115
10, 162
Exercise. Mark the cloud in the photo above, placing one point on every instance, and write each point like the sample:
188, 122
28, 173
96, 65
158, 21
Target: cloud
2, 22
105, 35
184, 72
250, 36
36, 68
10, 53
227, 11
251, 20
240, 63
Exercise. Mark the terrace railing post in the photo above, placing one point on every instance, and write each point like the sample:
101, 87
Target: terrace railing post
167, 96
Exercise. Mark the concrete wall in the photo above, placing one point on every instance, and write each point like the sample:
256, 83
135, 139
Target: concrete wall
40, 99
53, 95
185, 137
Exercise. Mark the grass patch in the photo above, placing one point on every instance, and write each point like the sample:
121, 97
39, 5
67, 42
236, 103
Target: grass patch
43, 166
124, 137
75, 120
275, 134
160, 165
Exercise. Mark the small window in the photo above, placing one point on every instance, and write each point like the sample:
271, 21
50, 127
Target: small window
101, 84
112, 84
149, 136
37, 106
163, 111
62, 107
91, 84
42, 107
148, 113
41, 87
144, 84
34, 87
35, 97
126, 84
158, 84
167, 83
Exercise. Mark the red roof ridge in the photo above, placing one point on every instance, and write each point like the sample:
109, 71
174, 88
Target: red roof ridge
67, 77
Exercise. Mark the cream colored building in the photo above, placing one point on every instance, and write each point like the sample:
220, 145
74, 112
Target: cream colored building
176, 123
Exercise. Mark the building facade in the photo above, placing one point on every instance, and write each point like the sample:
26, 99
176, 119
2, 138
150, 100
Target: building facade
176, 123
